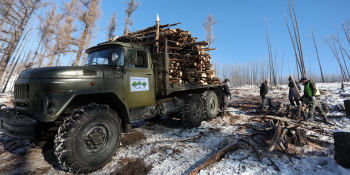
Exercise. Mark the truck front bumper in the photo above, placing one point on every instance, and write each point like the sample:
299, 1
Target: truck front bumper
17, 125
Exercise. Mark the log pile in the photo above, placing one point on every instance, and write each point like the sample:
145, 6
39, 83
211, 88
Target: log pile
188, 60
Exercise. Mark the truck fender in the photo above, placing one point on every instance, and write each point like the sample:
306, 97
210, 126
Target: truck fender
109, 97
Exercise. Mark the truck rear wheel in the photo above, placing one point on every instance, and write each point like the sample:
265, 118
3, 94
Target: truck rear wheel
88, 138
211, 104
192, 115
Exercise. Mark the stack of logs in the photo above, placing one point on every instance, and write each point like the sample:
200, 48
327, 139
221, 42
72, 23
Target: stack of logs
188, 60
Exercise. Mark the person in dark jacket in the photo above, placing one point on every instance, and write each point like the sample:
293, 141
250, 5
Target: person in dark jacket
312, 97
225, 94
263, 93
293, 92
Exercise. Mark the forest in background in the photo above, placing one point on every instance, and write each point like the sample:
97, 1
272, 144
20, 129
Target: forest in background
39, 33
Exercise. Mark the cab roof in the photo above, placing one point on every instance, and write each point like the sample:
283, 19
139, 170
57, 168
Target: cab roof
117, 44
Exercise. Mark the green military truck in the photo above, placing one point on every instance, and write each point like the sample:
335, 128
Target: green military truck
87, 107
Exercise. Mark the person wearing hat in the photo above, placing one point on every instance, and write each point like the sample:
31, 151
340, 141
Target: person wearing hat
293, 92
225, 94
312, 96
263, 93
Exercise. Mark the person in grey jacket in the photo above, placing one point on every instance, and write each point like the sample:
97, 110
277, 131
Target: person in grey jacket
293, 92
225, 94
263, 93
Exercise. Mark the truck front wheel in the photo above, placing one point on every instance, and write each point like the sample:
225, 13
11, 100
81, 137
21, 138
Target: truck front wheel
88, 138
192, 115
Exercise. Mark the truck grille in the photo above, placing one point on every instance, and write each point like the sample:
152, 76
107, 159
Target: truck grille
21, 91
38, 104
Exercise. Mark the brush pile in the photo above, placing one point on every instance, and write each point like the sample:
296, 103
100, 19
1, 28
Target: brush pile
188, 60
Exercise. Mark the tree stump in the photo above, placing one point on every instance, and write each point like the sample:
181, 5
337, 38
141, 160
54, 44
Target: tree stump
297, 137
342, 148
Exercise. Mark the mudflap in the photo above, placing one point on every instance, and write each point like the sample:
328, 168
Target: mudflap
17, 125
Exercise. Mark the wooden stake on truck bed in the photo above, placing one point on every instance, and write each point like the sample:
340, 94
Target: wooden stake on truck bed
157, 32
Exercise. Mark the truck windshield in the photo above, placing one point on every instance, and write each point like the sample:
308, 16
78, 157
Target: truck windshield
106, 57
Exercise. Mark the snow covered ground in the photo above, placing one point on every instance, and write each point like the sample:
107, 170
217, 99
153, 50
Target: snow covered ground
182, 157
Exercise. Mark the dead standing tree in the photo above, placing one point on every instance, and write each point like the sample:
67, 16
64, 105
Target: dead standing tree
346, 30
208, 26
132, 6
336, 56
46, 29
318, 57
296, 40
112, 26
21, 12
272, 68
341, 49
64, 40
297, 37
11, 68
86, 18
97, 15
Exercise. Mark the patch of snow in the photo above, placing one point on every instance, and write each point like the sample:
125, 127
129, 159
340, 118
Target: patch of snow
182, 157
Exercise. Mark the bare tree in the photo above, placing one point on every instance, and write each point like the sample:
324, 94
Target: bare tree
46, 29
129, 21
86, 18
18, 17
318, 57
341, 49
346, 30
337, 57
297, 43
96, 17
271, 62
208, 26
112, 26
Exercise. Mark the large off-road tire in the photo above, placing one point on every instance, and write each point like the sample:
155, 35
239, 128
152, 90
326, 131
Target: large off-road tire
211, 104
88, 138
192, 115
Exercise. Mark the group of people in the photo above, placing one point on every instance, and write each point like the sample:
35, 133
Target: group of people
311, 97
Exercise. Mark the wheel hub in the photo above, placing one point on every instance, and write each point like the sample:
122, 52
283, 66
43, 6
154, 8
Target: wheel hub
95, 139
195, 111
212, 104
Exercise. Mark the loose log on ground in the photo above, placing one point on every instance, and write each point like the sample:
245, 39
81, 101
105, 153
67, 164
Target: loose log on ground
273, 163
181, 140
276, 138
254, 148
298, 137
320, 125
216, 157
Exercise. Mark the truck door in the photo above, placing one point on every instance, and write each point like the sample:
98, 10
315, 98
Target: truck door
138, 79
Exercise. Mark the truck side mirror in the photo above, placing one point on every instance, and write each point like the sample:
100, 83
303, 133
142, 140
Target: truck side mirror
115, 57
